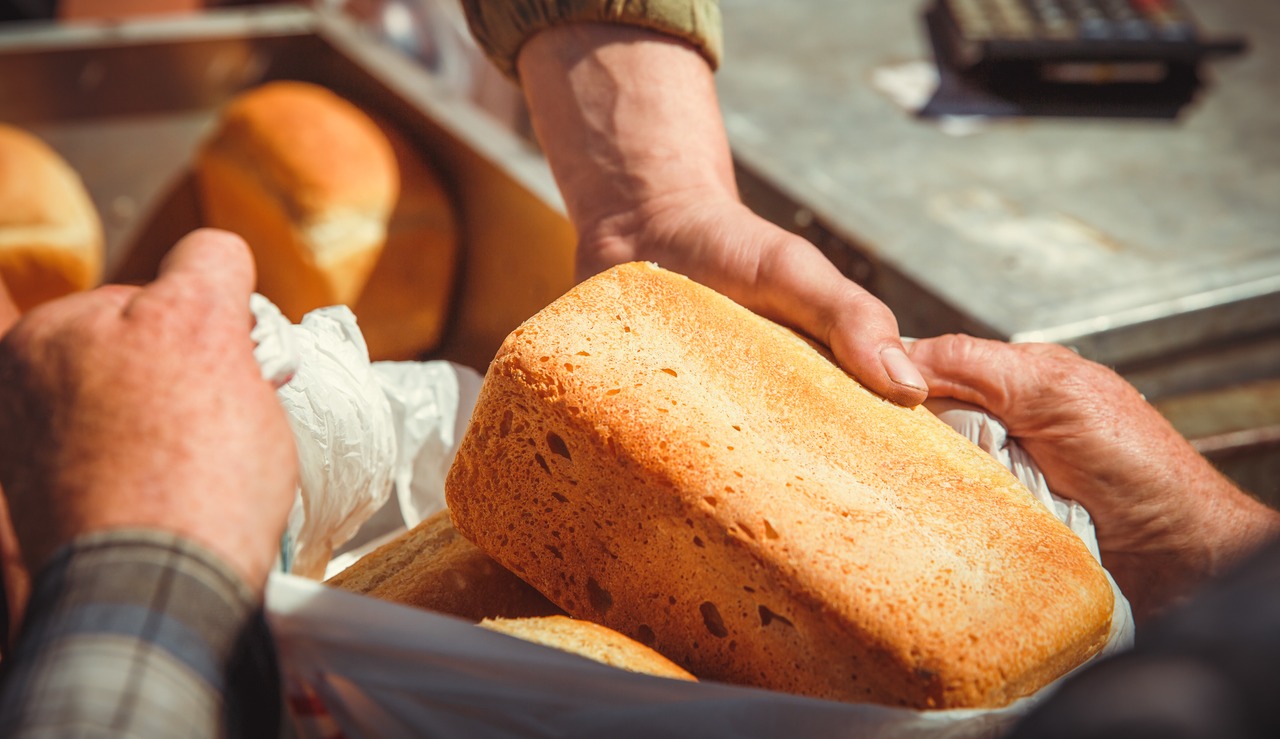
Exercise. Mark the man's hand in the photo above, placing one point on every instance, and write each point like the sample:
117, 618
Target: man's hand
1166, 519
631, 126
130, 407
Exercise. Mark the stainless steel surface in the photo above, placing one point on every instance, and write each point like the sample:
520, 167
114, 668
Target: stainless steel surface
128, 103
1138, 242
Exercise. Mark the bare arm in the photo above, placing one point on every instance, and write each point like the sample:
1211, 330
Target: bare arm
631, 125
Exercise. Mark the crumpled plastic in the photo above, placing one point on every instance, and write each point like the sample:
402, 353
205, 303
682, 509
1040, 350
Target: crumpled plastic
431, 404
362, 429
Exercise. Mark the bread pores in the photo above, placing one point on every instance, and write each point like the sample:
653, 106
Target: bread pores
653, 457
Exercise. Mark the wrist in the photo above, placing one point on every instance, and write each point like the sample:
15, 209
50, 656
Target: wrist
204, 524
1225, 528
1242, 525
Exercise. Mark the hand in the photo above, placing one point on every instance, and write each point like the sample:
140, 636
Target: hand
1166, 519
630, 124
143, 407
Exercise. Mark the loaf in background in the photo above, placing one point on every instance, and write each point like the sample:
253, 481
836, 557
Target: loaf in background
51, 241
309, 181
590, 640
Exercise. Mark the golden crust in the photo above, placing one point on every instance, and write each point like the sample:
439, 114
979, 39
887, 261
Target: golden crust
655, 458
431, 566
310, 147
590, 640
51, 241
404, 308
310, 183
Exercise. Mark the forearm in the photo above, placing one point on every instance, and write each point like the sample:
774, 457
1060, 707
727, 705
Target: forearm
1184, 522
140, 633
1232, 527
630, 124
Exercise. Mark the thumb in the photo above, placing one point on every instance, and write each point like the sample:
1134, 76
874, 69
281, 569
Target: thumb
797, 284
207, 263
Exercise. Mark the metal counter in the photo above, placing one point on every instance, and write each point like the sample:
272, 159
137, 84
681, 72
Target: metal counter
1153, 246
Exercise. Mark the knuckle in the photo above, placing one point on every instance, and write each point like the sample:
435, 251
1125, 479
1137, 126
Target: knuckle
960, 350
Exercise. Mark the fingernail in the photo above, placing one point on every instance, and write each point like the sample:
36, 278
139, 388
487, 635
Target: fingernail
900, 368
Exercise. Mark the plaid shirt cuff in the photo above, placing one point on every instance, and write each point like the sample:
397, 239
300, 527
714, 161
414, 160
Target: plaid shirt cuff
140, 633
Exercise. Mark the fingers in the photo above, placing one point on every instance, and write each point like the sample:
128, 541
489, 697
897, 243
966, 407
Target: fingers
966, 368
864, 338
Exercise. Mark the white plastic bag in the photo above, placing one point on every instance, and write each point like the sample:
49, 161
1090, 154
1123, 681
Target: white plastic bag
343, 430
361, 429
431, 403
361, 668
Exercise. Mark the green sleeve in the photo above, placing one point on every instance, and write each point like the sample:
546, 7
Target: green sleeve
502, 26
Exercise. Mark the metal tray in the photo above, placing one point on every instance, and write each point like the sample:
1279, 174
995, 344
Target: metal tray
127, 104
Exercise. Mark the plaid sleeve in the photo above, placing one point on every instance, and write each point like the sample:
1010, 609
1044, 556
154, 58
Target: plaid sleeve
140, 633
502, 26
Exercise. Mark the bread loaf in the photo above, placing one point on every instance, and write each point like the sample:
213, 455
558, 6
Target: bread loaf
309, 181
404, 308
653, 457
431, 566
51, 241
590, 640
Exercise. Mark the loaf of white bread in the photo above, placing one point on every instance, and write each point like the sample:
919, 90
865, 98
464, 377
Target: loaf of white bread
655, 458
51, 241
310, 182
